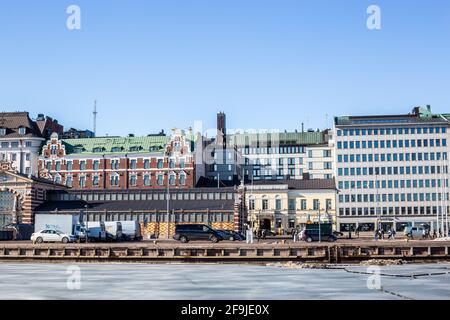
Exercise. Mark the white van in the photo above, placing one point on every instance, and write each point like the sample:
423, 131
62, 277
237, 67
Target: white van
131, 230
113, 230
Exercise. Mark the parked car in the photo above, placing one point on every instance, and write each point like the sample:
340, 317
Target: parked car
231, 235
52, 236
187, 232
311, 232
414, 232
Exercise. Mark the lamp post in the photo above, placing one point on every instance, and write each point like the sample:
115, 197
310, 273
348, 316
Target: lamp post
320, 233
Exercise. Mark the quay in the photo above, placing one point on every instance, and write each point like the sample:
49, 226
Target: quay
227, 252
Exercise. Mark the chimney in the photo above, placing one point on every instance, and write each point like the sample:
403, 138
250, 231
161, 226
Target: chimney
221, 129
303, 127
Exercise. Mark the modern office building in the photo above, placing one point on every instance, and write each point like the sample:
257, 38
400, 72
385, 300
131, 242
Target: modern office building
392, 170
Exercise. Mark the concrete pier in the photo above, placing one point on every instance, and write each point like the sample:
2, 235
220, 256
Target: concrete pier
226, 252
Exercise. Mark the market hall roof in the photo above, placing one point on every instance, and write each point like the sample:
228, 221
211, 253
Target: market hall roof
13, 121
116, 145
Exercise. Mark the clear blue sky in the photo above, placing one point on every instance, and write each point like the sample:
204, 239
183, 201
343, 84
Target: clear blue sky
267, 64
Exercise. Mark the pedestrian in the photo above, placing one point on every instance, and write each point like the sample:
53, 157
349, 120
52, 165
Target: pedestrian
263, 234
424, 234
389, 234
357, 231
295, 235
382, 234
393, 234
377, 234
434, 234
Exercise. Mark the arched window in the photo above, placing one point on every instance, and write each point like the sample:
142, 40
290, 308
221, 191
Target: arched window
182, 178
278, 203
172, 178
251, 203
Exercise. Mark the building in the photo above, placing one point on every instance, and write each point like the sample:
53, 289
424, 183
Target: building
73, 133
48, 125
20, 195
268, 155
392, 170
280, 206
218, 208
155, 161
20, 142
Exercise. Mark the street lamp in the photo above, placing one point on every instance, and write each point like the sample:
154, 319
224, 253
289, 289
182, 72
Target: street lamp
320, 234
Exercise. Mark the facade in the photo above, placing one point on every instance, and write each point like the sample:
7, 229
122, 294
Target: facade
156, 161
280, 206
392, 170
73, 133
20, 195
20, 142
48, 125
268, 155
220, 209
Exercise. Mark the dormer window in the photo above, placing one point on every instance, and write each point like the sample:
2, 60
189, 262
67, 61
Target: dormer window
78, 150
98, 150
22, 130
116, 149
2, 131
135, 149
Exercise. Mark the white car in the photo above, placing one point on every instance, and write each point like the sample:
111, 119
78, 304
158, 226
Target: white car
51, 236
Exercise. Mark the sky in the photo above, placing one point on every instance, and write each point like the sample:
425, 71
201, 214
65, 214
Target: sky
155, 65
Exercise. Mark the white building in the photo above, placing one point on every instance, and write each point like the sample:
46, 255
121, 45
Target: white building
392, 170
20, 142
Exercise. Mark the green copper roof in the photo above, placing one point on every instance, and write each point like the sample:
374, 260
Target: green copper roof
282, 138
116, 145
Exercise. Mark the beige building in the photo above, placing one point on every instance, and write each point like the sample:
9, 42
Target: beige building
280, 206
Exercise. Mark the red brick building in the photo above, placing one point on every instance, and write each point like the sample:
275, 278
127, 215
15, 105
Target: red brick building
152, 162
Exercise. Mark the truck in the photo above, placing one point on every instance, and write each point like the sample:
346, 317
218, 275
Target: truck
69, 224
113, 230
66, 223
131, 230
96, 231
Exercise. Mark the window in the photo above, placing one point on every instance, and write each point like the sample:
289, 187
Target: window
182, 163
265, 204
303, 204
146, 164
327, 165
251, 204
160, 180
133, 180
82, 182
82, 165
2, 132
69, 165
28, 144
116, 149
328, 204
146, 180
48, 165
96, 165
58, 179
58, 166
98, 150
114, 164
14, 144
115, 180
133, 164
316, 204
327, 153
291, 204
95, 181
22, 131
69, 181
160, 163
171, 163
278, 204
5, 144
182, 178
27, 157
172, 179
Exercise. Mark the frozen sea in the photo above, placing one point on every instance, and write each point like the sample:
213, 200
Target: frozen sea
234, 282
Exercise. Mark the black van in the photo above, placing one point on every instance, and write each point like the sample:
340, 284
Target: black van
188, 232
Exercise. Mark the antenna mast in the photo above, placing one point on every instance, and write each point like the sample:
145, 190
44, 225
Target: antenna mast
95, 117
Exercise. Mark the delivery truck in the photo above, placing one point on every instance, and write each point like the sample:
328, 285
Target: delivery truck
66, 223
